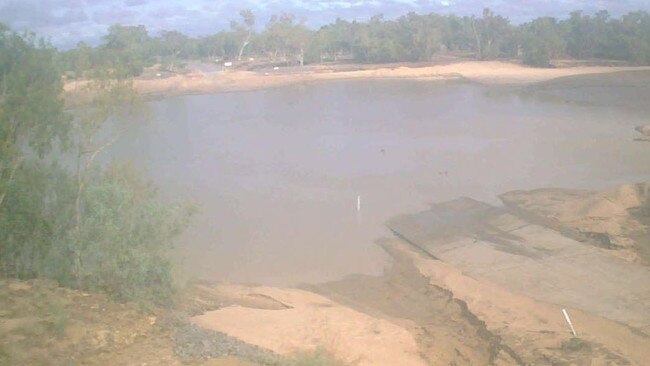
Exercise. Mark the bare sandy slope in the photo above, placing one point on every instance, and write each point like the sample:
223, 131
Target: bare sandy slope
613, 219
517, 269
492, 72
472, 284
310, 321
392, 321
533, 328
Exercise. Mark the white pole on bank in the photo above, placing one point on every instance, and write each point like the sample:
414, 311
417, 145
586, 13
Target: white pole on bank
358, 203
568, 320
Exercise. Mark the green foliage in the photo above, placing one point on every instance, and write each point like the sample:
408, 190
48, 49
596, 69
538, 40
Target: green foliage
543, 41
536, 53
124, 235
421, 35
576, 345
123, 238
493, 36
126, 50
223, 45
317, 357
458, 33
378, 41
286, 38
411, 37
32, 121
97, 228
172, 45
332, 42
600, 36
32, 216
244, 30
31, 113
59, 318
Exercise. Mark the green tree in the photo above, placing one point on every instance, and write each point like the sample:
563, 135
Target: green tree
172, 45
420, 35
543, 40
332, 42
634, 33
581, 36
35, 214
123, 238
378, 41
458, 33
98, 126
126, 50
32, 117
221, 45
96, 228
244, 30
77, 61
286, 38
492, 35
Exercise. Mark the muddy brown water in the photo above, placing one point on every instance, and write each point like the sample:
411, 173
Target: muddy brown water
277, 172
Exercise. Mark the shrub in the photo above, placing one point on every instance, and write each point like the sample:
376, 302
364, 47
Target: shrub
318, 357
120, 245
123, 238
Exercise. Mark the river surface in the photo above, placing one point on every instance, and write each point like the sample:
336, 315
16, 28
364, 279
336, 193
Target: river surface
277, 173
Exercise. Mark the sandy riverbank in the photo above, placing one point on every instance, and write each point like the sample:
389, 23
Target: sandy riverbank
480, 300
492, 72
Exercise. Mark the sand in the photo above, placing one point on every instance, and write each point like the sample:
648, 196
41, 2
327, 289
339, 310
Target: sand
582, 214
488, 72
530, 326
311, 321
469, 284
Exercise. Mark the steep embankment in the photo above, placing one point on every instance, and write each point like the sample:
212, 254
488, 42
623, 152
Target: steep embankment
516, 269
615, 219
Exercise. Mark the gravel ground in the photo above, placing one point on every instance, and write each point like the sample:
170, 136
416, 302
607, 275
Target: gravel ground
193, 342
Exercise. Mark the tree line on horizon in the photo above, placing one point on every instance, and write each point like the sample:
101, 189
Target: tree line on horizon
409, 38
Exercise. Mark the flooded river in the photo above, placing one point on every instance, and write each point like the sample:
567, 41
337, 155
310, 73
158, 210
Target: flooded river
277, 173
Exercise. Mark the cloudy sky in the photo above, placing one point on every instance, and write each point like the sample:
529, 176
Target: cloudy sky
65, 22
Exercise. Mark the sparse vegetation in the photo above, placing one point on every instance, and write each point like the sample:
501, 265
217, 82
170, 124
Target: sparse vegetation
317, 357
576, 345
59, 319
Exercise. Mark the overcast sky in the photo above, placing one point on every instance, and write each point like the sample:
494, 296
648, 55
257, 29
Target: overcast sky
65, 22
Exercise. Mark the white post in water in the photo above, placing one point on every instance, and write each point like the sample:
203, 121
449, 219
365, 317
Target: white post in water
568, 320
358, 203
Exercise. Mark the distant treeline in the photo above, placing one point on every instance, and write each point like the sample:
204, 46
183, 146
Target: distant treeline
412, 37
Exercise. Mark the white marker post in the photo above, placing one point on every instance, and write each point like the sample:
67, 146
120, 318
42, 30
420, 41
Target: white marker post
568, 320
358, 203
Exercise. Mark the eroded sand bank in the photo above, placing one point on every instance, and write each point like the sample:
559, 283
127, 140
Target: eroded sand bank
471, 284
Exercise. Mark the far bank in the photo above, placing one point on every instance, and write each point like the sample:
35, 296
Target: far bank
211, 81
